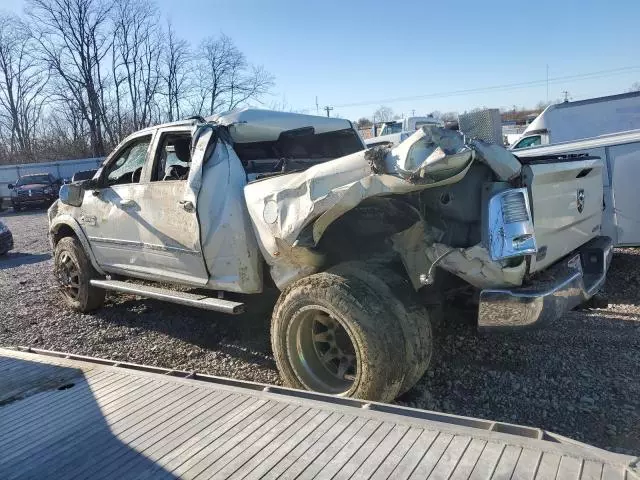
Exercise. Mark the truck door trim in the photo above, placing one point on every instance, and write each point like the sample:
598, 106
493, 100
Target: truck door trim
146, 246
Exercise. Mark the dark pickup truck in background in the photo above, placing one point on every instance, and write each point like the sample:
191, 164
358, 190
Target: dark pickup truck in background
36, 189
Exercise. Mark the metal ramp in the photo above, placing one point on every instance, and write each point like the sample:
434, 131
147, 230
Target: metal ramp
65, 416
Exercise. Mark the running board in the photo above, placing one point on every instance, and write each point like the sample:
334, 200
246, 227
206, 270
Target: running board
183, 298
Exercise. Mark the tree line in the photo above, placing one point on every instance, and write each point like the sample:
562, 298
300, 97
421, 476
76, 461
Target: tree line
76, 76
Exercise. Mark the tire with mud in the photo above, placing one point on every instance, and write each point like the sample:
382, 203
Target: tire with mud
332, 333
73, 271
401, 299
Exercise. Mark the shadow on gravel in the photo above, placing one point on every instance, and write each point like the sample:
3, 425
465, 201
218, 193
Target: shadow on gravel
623, 280
23, 213
16, 259
245, 337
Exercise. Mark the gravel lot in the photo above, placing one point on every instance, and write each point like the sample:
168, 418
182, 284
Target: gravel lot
579, 377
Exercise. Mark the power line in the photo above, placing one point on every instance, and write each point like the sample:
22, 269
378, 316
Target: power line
452, 93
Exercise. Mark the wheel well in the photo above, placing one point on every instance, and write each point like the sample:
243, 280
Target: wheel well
365, 231
61, 232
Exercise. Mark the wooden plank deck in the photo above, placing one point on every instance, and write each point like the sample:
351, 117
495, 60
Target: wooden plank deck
85, 418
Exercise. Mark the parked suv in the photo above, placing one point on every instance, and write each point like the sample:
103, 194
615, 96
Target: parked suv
37, 189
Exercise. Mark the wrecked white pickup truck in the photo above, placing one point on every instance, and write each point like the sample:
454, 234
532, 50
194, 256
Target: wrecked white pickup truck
363, 244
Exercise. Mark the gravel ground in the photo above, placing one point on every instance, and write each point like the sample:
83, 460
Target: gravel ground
578, 377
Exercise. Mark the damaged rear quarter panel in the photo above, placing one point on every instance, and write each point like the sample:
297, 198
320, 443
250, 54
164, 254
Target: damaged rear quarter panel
281, 207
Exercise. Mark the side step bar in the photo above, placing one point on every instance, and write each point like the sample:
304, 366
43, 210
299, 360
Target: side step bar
183, 298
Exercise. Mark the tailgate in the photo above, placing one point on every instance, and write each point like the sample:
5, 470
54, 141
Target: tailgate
566, 199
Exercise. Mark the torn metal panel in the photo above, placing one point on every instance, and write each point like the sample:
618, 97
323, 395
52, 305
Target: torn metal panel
228, 242
419, 248
412, 245
476, 267
282, 207
505, 164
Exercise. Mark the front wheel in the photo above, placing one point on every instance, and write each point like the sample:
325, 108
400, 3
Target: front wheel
74, 271
332, 334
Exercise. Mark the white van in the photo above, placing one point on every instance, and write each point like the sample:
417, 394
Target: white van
621, 153
569, 121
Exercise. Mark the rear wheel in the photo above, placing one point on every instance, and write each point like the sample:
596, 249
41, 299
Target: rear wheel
74, 271
401, 300
331, 333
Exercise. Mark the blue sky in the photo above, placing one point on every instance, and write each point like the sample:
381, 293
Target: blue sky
363, 53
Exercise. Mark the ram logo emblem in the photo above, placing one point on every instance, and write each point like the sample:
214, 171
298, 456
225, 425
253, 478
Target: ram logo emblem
580, 199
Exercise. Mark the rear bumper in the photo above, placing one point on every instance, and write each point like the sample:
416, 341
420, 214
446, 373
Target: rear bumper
564, 286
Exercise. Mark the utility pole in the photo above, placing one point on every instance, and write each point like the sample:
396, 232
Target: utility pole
413, 112
566, 95
328, 109
317, 106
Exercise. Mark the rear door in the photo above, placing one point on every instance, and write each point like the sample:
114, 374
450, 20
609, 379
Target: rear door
566, 199
169, 227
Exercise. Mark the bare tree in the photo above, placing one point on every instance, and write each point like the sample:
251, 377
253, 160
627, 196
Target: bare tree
109, 69
22, 84
449, 116
635, 87
137, 51
383, 114
176, 60
364, 122
225, 79
74, 37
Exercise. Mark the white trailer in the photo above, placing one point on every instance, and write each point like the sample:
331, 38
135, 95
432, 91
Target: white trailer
621, 155
570, 121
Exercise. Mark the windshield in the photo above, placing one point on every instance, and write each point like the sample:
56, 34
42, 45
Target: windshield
390, 128
527, 142
27, 179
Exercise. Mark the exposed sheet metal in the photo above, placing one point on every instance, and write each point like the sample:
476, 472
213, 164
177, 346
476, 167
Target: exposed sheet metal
282, 207
228, 240
418, 247
73, 418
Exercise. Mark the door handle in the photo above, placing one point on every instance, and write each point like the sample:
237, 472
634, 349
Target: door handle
187, 205
127, 203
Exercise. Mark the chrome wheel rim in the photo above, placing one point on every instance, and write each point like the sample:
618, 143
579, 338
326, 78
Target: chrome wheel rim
68, 275
321, 351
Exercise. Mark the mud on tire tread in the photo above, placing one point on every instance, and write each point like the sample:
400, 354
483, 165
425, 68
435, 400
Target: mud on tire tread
89, 298
376, 335
399, 297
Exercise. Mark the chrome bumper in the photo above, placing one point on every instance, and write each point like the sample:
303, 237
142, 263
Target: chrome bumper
560, 288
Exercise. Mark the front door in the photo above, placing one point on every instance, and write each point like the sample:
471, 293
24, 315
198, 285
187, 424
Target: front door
108, 212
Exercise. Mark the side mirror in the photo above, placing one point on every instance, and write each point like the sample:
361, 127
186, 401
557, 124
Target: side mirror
72, 194
10, 186
89, 183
